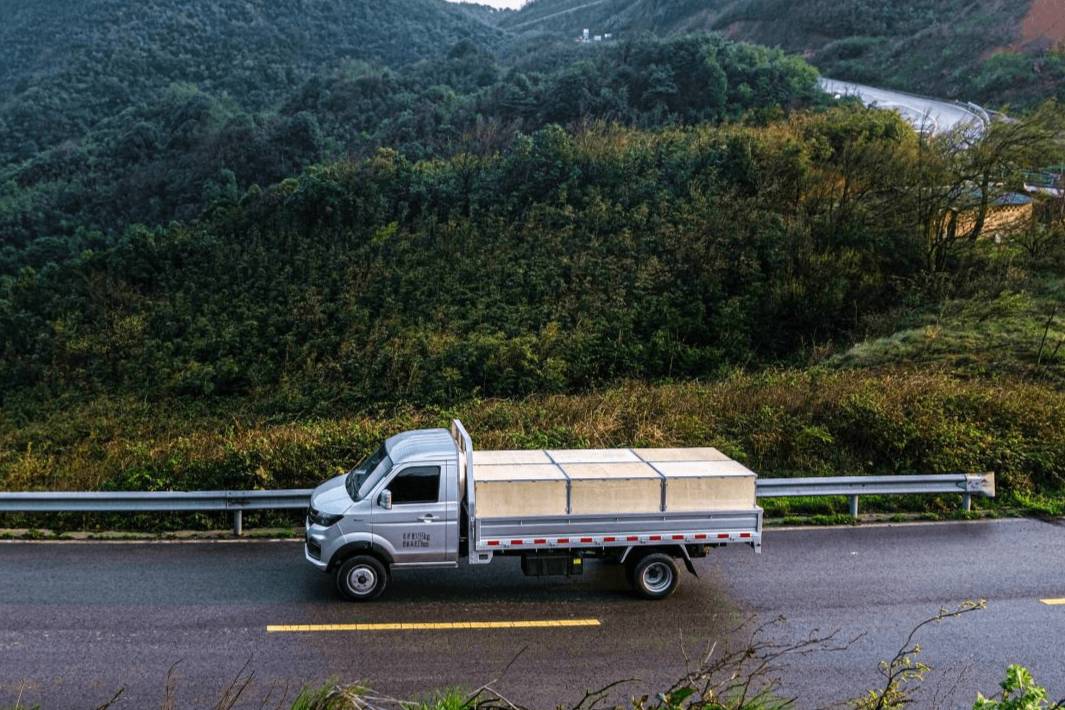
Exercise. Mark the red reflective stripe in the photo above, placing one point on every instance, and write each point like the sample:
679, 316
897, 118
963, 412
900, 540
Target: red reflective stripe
700, 536
587, 539
678, 537
722, 535
745, 534
515, 542
539, 541
609, 539
563, 540
652, 537
632, 538
493, 543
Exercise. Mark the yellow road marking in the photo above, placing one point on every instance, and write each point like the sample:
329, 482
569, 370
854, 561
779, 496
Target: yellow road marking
1054, 602
436, 626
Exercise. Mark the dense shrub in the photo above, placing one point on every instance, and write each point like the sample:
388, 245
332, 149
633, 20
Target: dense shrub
778, 423
184, 144
564, 262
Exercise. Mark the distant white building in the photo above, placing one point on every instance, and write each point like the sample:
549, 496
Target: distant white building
587, 36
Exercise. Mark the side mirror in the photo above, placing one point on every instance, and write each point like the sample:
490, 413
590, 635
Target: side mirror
385, 499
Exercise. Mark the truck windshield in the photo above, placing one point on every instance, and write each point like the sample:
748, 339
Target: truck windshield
377, 462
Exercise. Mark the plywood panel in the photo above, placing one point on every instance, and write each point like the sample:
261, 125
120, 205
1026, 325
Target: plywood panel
510, 456
732, 492
512, 499
592, 455
672, 469
609, 470
616, 495
516, 472
693, 454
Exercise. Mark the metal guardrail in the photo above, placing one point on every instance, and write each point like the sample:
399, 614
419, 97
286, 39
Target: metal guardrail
967, 485
158, 501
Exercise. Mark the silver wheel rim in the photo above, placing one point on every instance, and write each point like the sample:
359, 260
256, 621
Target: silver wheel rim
657, 577
362, 580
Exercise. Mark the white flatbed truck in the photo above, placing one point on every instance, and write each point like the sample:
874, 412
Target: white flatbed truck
426, 499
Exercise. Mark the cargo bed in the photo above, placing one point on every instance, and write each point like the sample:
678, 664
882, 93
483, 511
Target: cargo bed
531, 500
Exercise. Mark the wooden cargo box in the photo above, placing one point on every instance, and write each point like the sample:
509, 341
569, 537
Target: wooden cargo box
515, 490
631, 487
708, 485
523, 483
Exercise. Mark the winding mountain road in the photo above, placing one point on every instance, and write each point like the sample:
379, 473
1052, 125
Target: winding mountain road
924, 113
80, 620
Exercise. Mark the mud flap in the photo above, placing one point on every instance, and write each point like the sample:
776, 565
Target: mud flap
687, 560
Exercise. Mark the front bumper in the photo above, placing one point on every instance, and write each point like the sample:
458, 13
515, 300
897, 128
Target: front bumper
313, 540
314, 561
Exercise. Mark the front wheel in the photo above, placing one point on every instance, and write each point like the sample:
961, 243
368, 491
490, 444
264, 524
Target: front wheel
362, 578
655, 576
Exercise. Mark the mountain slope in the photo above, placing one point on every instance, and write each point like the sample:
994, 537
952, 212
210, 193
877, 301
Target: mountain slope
570, 17
69, 63
992, 51
171, 157
562, 261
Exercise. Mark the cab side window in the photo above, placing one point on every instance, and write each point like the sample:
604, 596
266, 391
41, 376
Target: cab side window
418, 484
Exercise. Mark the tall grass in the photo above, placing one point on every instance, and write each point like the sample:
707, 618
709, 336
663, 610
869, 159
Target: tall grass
782, 423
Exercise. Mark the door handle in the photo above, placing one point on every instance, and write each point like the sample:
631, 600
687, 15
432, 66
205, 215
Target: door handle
427, 518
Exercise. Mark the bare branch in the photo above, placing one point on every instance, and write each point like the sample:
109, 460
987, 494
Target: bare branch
110, 702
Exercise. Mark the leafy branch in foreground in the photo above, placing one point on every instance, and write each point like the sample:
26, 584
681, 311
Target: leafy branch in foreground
1019, 692
904, 670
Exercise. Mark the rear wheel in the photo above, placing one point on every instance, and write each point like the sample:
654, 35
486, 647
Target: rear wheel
655, 576
362, 578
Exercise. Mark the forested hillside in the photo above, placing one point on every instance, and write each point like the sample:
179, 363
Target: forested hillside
961, 49
564, 261
172, 157
992, 51
68, 64
569, 18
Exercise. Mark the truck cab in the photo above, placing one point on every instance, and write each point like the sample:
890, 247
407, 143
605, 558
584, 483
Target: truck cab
400, 505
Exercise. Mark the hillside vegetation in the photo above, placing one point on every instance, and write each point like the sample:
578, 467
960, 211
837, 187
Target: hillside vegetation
995, 52
565, 261
779, 423
68, 64
1015, 332
174, 155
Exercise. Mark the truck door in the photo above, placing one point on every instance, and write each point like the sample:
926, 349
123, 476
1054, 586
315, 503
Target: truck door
417, 523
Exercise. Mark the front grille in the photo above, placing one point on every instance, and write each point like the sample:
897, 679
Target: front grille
314, 549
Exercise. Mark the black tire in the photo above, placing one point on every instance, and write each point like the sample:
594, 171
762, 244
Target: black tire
362, 578
655, 576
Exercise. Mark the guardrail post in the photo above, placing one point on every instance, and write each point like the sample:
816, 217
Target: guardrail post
967, 502
238, 522
854, 506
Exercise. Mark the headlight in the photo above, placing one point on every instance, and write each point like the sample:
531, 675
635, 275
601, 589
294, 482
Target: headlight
323, 519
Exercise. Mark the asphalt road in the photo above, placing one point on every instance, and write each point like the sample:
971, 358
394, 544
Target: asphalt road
78, 621
918, 110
